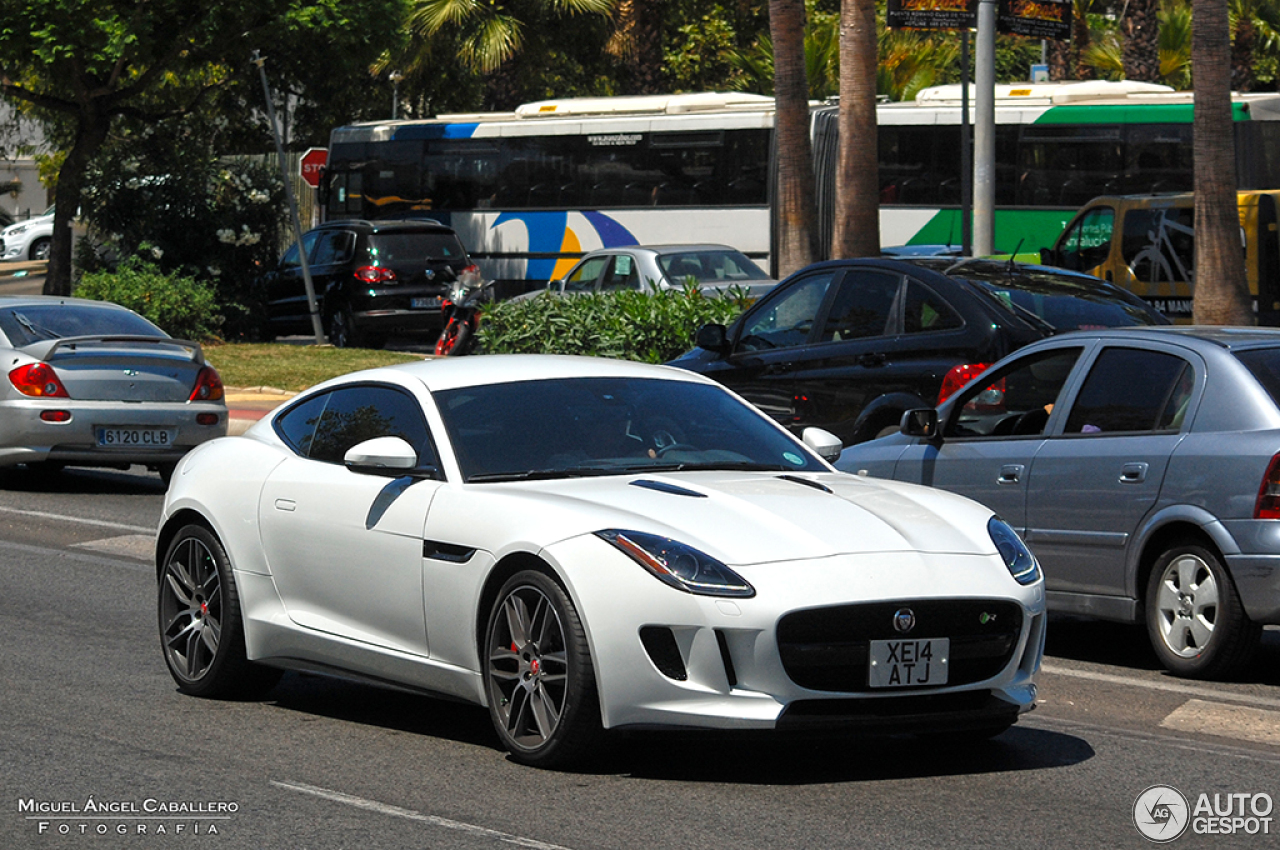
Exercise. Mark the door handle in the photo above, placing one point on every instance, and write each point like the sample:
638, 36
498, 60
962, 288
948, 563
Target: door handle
1010, 473
871, 359
285, 504
777, 368
1133, 473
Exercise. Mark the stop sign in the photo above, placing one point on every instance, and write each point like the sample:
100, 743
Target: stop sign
312, 164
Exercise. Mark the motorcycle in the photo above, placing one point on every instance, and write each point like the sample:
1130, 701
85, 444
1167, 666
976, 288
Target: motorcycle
461, 311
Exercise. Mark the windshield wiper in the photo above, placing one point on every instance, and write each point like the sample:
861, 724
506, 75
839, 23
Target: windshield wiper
34, 330
543, 474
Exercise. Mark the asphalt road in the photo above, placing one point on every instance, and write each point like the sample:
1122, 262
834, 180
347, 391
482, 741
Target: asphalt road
95, 739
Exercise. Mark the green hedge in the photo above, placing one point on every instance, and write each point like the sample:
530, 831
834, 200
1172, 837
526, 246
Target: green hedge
650, 327
181, 306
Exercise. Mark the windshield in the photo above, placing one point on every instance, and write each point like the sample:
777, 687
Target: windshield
569, 427
710, 267
1063, 302
35, 322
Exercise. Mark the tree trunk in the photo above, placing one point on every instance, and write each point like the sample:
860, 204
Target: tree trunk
91, 132
1141, 30
639, 44
857, 224
1059, 61
793, 246
1243, 43
1080, 43
1221, 287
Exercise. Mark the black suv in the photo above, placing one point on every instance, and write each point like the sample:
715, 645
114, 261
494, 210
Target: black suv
850, 345
371, 278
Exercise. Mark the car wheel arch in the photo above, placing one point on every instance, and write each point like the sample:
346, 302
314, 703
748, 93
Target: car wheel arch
1158, 538
504, 569
884, 409
172, 526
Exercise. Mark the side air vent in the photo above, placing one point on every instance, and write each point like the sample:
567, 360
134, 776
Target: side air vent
660, 643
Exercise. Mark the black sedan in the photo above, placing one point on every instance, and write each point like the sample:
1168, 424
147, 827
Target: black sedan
850, 345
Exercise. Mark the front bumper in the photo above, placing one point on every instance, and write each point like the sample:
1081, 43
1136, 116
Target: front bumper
734, 674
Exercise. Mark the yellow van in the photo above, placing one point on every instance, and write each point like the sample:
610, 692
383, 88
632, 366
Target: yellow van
1146, 244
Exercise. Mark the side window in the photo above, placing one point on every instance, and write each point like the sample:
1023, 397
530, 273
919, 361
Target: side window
1015, 401
1088, 243
290, 257
1129, 390
326, 248
622, 274
325, 427
924, 311
863, 307
1159, 245
787, 318
584, 277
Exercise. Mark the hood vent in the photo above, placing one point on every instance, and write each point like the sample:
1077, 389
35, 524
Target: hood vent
806, 482
664, 487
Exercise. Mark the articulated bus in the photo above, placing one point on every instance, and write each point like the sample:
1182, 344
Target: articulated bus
531, 190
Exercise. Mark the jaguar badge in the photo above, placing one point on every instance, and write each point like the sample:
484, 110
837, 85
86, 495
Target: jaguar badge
904, 620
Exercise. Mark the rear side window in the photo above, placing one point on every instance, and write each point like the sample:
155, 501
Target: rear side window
1131, 390
414, 247
1264, 365
863, 306
325, 427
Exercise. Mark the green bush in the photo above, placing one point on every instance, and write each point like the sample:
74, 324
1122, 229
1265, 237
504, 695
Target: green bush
181, 306
650, 327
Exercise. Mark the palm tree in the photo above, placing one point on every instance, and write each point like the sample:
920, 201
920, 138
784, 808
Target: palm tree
1141, 28
637, 43
1106, 54
857, 217
1255, 31
1221, 288
796, 211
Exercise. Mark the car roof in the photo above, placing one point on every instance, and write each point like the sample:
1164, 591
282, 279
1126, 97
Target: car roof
671, 248
447, 373
387, 225
1229, 338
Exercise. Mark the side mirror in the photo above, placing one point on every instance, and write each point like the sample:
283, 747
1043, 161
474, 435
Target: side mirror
712, 338
1048, 257
381, 456
824, 443
921, 422
556, 286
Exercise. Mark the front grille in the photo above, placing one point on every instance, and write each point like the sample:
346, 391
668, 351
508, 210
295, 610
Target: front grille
828, 649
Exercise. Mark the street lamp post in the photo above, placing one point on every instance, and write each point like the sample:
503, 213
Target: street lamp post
396, 77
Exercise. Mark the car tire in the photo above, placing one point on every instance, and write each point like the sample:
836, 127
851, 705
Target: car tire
39, 249
539, 678
453, 339
201, 629
343, 332
1195, 620
880, 424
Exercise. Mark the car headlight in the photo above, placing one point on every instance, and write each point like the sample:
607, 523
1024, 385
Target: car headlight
680, 566
1016, 556
16, 230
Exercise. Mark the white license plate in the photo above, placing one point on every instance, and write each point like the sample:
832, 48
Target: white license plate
903, 663
424, 303
127, 438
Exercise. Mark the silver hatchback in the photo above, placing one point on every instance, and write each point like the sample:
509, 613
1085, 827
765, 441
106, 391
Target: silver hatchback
1142, 467
89, 383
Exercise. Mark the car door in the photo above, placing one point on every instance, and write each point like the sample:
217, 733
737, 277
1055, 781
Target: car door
345, 548
330, 260
994, 432
1094, 481
772, 339
620, 274
885, 333
286, 289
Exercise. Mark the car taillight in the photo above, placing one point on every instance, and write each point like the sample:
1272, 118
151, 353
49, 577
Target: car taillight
38, 379
958, 377
208, 385
470, 277
1268, 504
375, 274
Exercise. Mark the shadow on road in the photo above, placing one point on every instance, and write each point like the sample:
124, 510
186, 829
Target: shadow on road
756, 759
86, 480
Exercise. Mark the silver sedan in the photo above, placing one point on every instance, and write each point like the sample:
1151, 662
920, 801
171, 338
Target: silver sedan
652, 268
90, 383
1141, 465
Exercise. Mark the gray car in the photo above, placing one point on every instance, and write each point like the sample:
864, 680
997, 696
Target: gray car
1141, 465
89, 383
657, 267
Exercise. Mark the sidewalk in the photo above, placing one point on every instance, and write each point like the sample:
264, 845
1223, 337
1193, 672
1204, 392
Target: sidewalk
246, 405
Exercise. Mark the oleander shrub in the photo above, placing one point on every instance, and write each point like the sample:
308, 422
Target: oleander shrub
181, 306
628, 325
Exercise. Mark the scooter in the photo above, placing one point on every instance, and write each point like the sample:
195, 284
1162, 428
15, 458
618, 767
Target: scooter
461, 311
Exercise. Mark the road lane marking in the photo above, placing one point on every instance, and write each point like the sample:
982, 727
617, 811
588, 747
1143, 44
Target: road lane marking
409, 814
1132, 736
1169, 687
1226, 721
140, 546
81, 520
69, 554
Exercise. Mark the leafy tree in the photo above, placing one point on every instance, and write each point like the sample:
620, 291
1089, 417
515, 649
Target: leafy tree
82, 65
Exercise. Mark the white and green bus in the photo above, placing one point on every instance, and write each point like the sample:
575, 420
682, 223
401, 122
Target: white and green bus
533, 189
